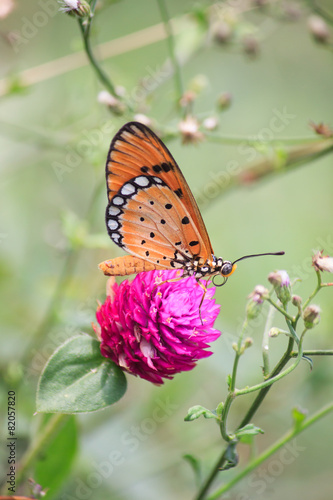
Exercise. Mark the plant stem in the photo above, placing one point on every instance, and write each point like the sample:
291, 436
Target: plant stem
314, 352
237, 140
85, 31
171, 49
281, 310
231, 394
313, 294
273, 449
272, 380
51, 428
248, 417
265, 341
263, 392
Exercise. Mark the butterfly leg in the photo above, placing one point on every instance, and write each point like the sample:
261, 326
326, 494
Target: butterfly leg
204, 287
172, 280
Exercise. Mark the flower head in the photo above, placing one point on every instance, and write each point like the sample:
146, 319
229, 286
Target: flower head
113, 103
322, 262
318, 29
189, 129
153, 328
311, 316
254, 306
78, 8
281, 282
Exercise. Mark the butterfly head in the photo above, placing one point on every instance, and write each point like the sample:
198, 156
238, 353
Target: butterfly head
228, 268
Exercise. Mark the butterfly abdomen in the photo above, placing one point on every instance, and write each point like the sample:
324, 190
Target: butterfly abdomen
128, 264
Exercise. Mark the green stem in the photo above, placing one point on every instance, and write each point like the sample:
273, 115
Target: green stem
248, 417
234, 140
313, 294
314, 352
171, 49
271, 450
272, 380
263, 392
281, 310
231, 394
100, 73
50, 430
265, 341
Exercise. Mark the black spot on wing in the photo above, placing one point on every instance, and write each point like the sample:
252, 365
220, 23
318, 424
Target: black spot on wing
167, 167
185, 220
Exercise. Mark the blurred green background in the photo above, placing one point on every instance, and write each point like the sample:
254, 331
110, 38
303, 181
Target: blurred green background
45, 215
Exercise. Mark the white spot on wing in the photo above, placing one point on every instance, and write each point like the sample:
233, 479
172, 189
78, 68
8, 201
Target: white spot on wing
127, 189
142, 181
158, 180
115, 237
113, 224
114, 210
117, 200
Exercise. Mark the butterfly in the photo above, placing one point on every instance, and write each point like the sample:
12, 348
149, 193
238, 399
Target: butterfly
152, 214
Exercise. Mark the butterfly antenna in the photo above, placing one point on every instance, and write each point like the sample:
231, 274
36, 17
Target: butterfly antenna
258, 255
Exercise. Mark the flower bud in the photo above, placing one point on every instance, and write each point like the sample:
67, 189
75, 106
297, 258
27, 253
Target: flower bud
322, 129
224, 100
322, 262
292, 11
210, 123
222, 32
257, 297
281, 282
248, 342
311, 316
259, 294
79, 8
6, 7
296, 300
144, 119
250, 45
187, 98
274, 332
318, 29
113, 103
189, 129
198, 83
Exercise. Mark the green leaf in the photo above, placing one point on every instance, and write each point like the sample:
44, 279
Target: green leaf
196, 466
77, 378
219, 410
55, 464
229, 380
231, 456
299, 415
196, 411
246, 433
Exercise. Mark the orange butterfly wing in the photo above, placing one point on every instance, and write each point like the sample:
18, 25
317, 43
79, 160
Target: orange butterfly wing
152, 213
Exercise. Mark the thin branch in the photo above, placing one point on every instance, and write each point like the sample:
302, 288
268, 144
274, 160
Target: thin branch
172, 49
273, 449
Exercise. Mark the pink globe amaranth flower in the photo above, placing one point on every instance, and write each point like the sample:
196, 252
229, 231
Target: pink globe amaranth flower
154, 329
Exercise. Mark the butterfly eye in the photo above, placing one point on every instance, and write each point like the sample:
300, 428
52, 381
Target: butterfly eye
227, 268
